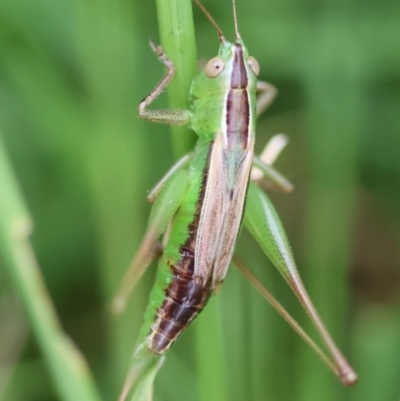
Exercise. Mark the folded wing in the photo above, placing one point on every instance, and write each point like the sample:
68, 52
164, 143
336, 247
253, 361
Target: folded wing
221, 212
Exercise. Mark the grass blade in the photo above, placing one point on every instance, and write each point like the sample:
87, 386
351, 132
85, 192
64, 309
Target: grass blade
176, 27
67, 365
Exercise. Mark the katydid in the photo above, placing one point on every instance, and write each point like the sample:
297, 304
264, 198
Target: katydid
200, 204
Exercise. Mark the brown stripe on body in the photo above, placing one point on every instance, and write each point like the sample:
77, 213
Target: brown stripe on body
239, 74
237, 104
237, 119
184, 297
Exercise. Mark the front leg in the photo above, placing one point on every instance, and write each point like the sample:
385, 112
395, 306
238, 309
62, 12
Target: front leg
267, 96
175, 117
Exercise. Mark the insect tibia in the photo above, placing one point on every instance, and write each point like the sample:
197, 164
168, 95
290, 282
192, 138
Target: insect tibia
158, 50
349, 377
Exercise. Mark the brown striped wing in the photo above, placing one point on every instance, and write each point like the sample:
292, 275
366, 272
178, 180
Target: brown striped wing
221, 212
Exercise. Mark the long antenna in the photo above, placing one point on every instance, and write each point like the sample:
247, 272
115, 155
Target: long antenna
211, 19
237, 33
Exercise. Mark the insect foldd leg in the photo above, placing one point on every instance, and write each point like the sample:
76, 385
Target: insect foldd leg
267, 95
280, 182
264, 224
167, 203
176, 117
262, 166
255, 282
181, 163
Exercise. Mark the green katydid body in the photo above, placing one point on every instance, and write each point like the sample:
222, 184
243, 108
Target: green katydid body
204, 204
204, 230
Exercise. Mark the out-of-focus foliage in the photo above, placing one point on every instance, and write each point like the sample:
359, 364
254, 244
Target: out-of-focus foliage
71, 75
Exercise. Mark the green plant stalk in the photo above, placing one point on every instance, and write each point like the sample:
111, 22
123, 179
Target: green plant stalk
67, 366
175, 21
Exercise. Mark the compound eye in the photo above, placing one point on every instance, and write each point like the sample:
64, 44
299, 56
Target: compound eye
253, 63
214, 67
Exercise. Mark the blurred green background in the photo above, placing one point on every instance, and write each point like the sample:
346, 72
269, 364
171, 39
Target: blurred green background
71, 76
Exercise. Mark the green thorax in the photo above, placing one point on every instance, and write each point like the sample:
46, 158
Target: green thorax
209, 94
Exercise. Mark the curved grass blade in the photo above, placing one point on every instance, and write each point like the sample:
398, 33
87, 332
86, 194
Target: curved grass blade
67, 366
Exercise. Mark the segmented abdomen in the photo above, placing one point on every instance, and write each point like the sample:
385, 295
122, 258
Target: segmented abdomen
184, 300
177, 297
